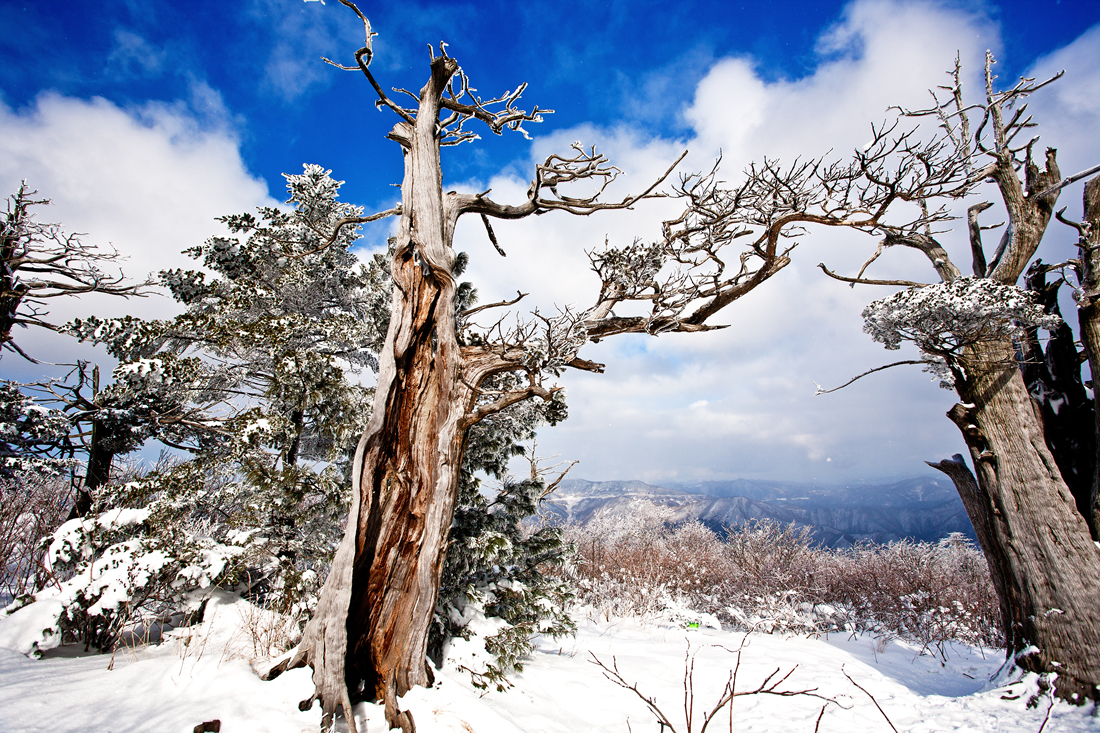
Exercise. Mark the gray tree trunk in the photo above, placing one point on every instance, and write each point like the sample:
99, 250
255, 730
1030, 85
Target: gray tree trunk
1040, 552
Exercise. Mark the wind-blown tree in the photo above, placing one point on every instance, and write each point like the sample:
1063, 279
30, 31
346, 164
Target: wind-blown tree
1044, 564
39, 262
441, 374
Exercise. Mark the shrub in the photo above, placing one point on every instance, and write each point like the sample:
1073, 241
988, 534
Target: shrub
770, 577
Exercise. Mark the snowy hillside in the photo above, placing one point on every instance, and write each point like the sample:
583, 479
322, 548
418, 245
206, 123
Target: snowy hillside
204, 674
924, 509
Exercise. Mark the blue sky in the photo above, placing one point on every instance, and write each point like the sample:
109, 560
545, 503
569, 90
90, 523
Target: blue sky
143, 121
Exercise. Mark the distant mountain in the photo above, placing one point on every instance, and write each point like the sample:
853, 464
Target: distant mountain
925, 508
913, 492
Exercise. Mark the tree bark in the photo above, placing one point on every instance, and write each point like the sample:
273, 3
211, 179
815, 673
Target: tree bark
1039, 548
975, 502
1053, 377
368, 638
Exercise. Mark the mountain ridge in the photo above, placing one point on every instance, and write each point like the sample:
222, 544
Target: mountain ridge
924, 508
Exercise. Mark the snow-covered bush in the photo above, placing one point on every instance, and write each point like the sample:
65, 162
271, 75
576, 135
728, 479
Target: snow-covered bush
115, 569
644, 568
31, 508
944, 318
923, 592
770, 577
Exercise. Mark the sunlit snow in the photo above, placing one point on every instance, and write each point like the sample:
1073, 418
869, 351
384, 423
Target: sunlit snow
203, 673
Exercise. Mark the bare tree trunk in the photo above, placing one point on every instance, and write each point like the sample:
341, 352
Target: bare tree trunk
1053, 377
1040, 550
369, 635
974, 502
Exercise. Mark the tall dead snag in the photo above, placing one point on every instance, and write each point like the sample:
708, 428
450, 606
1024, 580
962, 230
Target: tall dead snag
441, 372
1044, 564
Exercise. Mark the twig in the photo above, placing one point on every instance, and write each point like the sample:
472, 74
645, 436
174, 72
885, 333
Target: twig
821, 391
868, 694
862, 281
1046, 719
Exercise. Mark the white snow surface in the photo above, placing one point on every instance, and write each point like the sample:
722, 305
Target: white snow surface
204, 673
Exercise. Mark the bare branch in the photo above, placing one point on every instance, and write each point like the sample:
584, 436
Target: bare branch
40, 261
1066, 181
556, 172
868, 694
821, 390
500, 304
347, 221
492, 236
979, 263
363, 58
861, 281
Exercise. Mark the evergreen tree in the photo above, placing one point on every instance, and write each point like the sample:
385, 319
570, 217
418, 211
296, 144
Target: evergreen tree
496, 588
271, 342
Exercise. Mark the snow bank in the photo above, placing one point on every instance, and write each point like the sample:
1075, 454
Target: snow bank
203, 673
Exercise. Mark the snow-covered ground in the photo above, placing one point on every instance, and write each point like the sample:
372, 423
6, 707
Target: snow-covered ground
203, 673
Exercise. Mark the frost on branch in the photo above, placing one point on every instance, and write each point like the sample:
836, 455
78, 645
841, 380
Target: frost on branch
944, 318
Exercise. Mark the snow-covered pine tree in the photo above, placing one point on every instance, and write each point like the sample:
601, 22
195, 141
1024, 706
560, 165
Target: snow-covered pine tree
496, 591
274, 332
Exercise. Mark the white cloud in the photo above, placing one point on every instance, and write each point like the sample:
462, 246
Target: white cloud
646, 417
879, 54
147, 181
133, 56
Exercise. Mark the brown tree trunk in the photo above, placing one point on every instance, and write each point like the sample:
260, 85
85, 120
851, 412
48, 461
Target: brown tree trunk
369, 635
1040, 550
1053, 377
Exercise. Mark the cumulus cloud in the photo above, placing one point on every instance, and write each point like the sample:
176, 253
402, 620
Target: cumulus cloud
147, 181
739, 402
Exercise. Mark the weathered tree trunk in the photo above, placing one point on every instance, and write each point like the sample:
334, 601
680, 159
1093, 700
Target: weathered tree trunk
1088, 313
1039, 548
975, 502
369, 635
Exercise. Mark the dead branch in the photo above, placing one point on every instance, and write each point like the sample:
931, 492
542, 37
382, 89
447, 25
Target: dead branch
40, 261
1066, 181
769, 686
500, 304
492, 235
552, 175
868, 694
978, 253
863, 281
821, 390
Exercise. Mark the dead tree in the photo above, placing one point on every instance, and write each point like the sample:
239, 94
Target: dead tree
441, 371
39, 262
1044, 564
